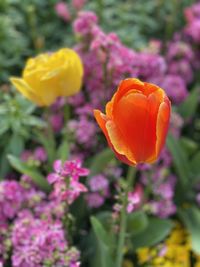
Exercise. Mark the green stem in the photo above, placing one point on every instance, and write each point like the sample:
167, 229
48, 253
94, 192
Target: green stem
123, 219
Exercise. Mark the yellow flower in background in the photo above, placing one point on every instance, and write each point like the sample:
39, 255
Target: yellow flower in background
50, 75
127, 263
175, 251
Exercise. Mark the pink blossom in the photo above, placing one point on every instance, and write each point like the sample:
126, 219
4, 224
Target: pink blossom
134, 199
78, 4
95, 200
62, 11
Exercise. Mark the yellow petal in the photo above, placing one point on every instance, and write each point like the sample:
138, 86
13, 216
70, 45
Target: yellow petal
26, 90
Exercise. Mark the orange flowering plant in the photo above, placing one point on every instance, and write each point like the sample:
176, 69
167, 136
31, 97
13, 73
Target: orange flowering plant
136, 121
135, 125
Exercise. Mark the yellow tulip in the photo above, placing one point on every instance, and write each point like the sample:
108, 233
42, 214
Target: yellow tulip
49, 76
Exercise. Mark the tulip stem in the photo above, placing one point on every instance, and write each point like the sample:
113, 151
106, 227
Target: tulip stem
123, 217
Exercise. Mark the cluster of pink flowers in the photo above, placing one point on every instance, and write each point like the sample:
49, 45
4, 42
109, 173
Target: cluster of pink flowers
65, 180
192, 29
37, 236
38, 155
99, 191
63, 10
38, 242
11, 199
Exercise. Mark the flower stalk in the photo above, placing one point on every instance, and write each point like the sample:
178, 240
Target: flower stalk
123, 217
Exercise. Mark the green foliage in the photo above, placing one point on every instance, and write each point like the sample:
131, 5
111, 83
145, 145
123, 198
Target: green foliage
180, 159
137, 21
16, 124
156, 231
191, 219
188, 108
137, 222
101, 160
28, 27
32, 172
105, 245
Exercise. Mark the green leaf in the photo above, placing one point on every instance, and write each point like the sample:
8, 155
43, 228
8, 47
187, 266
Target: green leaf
48, 141
63, 151
195, 166
137, 222
101, 160
34, 121
189, 145
188, 108
23, 168
4, 125
100, 232
105, 244
16, 144
191, 219
180, 159
156, 231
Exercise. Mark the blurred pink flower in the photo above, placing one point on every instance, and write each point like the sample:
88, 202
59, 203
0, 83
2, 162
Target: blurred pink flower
78, 4
62, 11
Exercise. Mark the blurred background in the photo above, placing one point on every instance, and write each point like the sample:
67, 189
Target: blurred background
30, 27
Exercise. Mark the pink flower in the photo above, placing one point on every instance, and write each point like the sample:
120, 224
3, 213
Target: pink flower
95, 200
40, 154
62, 11
134, 199
78, 4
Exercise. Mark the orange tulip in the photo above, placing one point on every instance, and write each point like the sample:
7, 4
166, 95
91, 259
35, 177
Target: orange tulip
136, 121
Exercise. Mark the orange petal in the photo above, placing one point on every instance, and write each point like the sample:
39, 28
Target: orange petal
162, 124
101, 120
125, 86
136, 117
107, 124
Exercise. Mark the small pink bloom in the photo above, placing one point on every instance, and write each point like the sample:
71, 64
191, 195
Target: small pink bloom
78, 4
134, 198
62, 11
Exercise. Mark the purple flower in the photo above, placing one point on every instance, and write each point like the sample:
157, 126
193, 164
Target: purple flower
163, 208
38, 241
84, 130
95, 200
40, 154
175, 88
11, 198
56, 121
98, 183
84, 23
62, 11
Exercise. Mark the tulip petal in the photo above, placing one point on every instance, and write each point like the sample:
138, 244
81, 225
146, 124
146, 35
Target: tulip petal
136, 117
162, 124
101, 120
120, 148
104, 124
125, 86
26, 90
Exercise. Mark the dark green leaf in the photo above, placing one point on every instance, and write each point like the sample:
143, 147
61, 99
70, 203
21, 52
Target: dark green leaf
100, 161
180, 159
105, 244
156, 231
189, 145
23, 168
63, 151
137, 222
195, 166
188, 108
16, 144
191, 219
